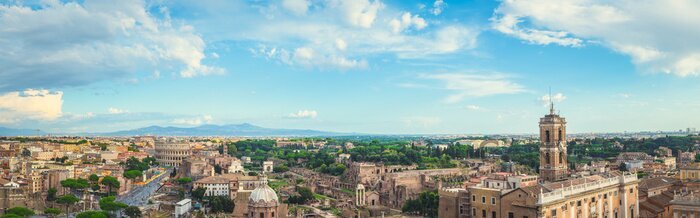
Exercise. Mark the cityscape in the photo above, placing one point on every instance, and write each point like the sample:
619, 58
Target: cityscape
349, 108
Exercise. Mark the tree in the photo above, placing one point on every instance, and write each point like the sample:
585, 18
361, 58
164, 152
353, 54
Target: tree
92, 214
133, 212
305, 195
94, 178
221, 204
198, 193
281, 169
75, 184
110, 204
623, 167
52, 211
9, 215
67, 200
425, 205
26, 152
51, 196
20, 211
184, 180
110, 182
132, 174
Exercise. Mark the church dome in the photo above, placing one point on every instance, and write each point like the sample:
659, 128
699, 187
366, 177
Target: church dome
263, 195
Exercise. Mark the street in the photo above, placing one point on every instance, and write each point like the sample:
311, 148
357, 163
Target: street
139, 195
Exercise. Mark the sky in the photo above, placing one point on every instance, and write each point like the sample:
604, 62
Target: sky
365, 66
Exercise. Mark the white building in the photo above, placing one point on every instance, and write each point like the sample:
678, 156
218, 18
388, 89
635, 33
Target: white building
235, 167
268, 166
183, 207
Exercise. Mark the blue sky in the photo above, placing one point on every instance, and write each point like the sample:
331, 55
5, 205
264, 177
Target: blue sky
349, 66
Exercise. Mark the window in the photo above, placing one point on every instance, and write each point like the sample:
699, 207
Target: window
546, 133
554, 213
483, 213
605, 196
493, 200
461, 209
631, 190
473, 198
510, 215
483, 199
493, 214
561, 158
474, 212
262, 215
546, 157
578, 203
561, 138
273, 214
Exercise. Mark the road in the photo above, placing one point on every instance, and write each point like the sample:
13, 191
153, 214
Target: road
139, 195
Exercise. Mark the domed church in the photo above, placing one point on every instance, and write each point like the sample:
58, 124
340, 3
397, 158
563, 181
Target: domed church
264, 203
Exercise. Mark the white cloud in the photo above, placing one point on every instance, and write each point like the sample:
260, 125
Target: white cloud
556, 98
659, 36
407, 21
309, 57
113, 110
421, 121
68, 44
30, 104
196, 121
340, 34
359, 13
298, 7
438, 7
304, 114
340, 44
472, 85
473, 107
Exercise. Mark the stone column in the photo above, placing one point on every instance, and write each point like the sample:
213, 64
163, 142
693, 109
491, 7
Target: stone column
623, 207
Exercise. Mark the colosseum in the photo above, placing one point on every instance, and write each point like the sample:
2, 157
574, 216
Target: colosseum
172, 154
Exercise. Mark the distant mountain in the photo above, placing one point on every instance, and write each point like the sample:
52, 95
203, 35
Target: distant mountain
244, 129
20, 132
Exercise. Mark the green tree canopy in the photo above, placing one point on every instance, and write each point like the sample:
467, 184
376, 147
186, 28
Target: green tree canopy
133, 212
132, 174
184, 180
92, 214
110, 182
425, 205
52, 211
94, 178
110, 204
20, 211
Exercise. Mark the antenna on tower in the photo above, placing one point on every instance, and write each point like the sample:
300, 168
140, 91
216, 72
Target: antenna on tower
551, 102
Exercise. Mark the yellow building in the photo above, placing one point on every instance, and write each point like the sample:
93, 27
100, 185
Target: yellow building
690, 172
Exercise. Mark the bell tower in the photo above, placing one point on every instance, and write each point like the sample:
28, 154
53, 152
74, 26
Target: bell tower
553, 163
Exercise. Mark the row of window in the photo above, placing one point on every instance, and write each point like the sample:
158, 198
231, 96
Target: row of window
483, 199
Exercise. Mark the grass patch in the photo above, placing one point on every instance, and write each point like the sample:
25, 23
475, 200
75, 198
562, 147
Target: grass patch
277, 184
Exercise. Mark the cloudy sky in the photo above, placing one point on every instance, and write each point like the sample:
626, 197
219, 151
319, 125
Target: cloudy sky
367, 66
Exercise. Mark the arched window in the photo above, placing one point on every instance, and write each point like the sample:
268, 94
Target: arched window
546, 157
546, 133
561, 138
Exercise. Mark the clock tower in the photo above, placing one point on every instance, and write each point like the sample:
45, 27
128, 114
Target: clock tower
553, 163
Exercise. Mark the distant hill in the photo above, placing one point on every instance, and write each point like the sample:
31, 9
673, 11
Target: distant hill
244, 129
20, 132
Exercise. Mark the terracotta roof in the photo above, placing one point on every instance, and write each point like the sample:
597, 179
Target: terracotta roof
658, 182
